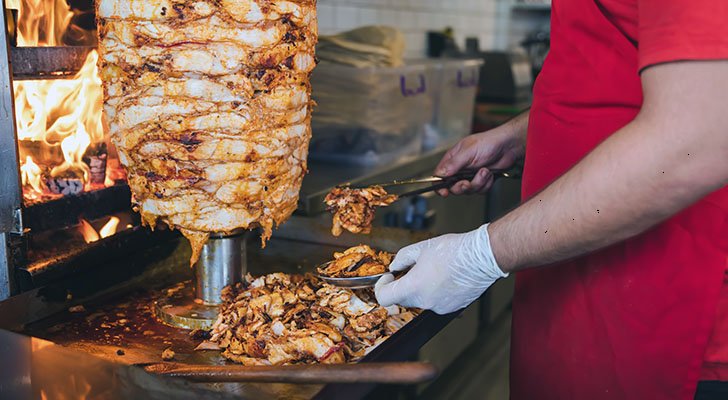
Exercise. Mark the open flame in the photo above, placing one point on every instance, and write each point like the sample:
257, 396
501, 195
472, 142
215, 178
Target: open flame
90, 234
42, 22
73, 147
31, 175
60, 126
49, 110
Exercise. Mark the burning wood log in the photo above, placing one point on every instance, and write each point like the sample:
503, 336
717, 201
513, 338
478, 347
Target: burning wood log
65, 185
95, 157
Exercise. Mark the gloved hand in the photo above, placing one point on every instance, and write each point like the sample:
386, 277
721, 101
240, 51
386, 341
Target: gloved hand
449, 273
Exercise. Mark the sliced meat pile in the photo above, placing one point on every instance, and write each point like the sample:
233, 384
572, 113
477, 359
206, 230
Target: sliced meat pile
208, 103
292, 319
353, 209
356, 261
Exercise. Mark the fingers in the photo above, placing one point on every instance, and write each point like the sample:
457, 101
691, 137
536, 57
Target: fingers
460, 187
444, 167
381, 282
447, 167
389, 291
488, 185
385, 290
401, 291
455, 159
480, 179
481, 183
406, 257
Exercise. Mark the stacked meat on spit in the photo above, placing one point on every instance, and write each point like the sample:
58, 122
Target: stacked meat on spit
208, 102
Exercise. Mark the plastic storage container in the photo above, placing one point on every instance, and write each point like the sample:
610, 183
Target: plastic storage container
370, 116
454, 100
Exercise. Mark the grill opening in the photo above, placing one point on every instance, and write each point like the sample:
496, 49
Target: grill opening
64, 150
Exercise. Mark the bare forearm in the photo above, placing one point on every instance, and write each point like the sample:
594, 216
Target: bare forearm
519, 126
651, 169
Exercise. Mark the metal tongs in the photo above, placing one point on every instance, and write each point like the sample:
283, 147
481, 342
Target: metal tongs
437, 181
361, 282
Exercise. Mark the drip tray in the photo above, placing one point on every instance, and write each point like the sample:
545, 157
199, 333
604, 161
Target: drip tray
125, 332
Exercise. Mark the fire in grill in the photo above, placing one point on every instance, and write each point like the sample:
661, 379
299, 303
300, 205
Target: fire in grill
62, 144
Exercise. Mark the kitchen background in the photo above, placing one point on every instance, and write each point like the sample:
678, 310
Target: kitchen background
377, 119
498, 24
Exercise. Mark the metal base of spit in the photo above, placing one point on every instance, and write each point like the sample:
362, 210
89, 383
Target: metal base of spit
222, 263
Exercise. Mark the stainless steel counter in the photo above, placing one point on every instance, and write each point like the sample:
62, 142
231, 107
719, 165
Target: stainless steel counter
116, 324
37, 369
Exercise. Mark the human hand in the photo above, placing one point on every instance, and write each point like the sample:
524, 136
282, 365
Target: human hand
495, 149
449, 273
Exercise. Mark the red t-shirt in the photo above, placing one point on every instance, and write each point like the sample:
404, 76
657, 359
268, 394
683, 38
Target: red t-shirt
671, 30
643, 318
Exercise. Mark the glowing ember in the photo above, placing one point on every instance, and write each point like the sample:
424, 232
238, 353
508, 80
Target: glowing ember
90, 235
59, 121
109, 228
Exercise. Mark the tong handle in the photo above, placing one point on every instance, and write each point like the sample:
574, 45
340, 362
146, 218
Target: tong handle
446, 182
438, 181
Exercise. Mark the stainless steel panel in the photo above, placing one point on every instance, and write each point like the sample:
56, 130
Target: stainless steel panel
10, 190
6, 276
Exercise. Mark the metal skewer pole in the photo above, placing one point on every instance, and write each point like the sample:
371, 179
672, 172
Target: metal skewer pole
223, 262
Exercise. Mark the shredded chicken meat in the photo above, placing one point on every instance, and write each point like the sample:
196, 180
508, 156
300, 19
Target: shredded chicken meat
293, 319
356, 261
208, 103
353, 209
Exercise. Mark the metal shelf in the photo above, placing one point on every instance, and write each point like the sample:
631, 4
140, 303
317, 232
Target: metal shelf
47, 62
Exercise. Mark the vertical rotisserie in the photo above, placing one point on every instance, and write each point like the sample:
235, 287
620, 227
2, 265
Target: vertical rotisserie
209, 105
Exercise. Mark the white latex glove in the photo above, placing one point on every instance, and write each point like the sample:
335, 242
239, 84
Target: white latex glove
449, 273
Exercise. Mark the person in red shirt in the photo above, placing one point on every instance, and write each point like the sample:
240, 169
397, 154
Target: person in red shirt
626, 210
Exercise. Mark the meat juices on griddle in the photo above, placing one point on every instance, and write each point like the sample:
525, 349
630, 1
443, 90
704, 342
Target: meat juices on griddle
208, 103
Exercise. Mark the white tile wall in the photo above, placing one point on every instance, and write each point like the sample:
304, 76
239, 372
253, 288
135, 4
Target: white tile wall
414, 17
